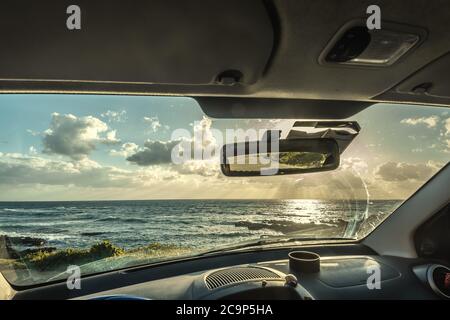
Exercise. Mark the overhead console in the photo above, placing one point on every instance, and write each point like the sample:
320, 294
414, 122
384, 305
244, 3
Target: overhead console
355, 45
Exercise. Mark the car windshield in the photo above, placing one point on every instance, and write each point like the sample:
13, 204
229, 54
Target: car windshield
91, 181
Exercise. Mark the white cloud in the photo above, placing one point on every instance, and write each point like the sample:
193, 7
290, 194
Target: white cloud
430, 122
32, 177
447, 146
155, 124
354, 163
447, 126
126, 150
154, 152
114, 116
206, 168
18, 169
111, 138
32, 150
203, 130
76, 137
402, 171
160, 152
33, 133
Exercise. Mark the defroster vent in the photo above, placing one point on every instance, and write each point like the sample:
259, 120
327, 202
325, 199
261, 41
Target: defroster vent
233, 275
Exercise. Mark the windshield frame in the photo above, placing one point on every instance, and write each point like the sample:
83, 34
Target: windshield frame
217, 251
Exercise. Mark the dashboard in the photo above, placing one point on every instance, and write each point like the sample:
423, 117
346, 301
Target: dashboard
346, 271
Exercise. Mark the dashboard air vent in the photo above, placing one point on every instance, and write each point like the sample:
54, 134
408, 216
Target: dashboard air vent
228, 276
439, 280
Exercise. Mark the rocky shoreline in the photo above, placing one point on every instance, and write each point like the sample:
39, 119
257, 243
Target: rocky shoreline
286, 227
9, 246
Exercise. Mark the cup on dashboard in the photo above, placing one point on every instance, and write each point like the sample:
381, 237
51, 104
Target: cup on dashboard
304, 262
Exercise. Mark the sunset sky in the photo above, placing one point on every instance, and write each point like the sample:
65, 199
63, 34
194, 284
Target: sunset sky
87, 147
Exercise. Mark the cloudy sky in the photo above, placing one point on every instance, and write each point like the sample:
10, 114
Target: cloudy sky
79, 147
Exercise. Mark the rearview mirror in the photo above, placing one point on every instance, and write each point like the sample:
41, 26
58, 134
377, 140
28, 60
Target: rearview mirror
289, 156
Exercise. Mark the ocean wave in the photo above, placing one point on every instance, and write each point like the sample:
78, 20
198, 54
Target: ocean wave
120, 219
284, 226
46, 236
11, 210
28, 212
92, 234
232, 234
33, 228
194, 223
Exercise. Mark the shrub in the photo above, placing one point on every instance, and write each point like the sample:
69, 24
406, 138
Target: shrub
105, 249
60, 259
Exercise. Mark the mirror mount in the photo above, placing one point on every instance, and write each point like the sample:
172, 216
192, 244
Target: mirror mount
342, 131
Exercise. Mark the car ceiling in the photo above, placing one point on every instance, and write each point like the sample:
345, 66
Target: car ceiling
239, 49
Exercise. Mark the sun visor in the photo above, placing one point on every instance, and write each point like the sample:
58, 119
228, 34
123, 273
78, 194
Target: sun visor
193, 42
264, 108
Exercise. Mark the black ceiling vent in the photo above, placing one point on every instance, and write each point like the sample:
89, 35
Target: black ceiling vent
224, 277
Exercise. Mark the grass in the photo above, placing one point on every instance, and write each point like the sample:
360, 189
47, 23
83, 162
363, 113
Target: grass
39, 266
59, 260
44, 260
11, 263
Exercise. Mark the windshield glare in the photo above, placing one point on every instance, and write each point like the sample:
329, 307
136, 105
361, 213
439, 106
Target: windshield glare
106, 182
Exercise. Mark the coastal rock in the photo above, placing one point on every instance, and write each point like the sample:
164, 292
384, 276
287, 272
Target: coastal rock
288, 226
24, 241
8, 245
35, 250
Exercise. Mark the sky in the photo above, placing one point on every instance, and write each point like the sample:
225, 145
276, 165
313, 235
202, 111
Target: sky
100, 147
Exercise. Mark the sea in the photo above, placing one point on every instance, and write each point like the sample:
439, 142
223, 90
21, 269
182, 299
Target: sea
192, 223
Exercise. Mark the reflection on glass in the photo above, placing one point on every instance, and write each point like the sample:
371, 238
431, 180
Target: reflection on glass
284, 160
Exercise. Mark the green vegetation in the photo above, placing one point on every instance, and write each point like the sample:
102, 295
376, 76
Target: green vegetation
157, 249
43, 260
41, 264
11, 263
302, 159
59, 260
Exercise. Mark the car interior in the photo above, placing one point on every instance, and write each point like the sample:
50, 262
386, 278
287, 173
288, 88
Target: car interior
315, 63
